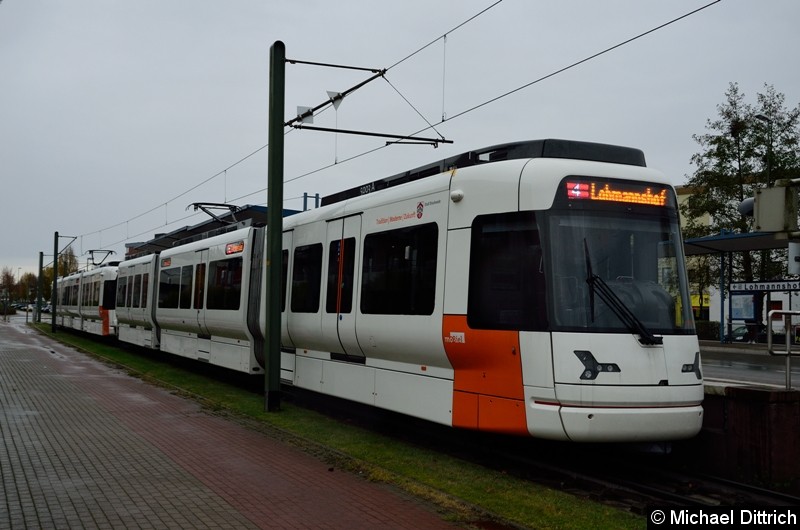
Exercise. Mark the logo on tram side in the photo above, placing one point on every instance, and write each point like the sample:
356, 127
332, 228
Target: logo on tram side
417, 213
456, 337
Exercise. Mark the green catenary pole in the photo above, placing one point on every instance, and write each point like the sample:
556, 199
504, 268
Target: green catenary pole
55, 282
277, 89
39, 289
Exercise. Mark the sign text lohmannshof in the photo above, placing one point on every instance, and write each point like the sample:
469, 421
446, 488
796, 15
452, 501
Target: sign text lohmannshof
775, 285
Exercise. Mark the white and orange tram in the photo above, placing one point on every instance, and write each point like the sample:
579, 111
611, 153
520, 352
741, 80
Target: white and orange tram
86, 301
534, 288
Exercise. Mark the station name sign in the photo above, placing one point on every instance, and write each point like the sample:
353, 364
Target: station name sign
774, 285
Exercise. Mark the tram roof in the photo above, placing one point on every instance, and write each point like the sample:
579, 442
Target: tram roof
546, 148
734, 243
243, 216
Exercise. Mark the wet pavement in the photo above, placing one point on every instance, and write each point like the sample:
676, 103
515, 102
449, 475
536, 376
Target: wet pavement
87, 446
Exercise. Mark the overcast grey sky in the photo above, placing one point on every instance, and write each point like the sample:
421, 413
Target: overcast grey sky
116, 115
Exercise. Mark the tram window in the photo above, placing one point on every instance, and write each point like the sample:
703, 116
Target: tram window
199, 285
128, 302
186, 287
399, 271
90, 297
169, 288
137, 291
145, 286
506, 276
122, 289
340, 276
224, 284
284, 277
109, 286
306, 278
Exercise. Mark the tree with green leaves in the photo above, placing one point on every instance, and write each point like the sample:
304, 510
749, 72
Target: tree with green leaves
47, 283
745, 148
67, 262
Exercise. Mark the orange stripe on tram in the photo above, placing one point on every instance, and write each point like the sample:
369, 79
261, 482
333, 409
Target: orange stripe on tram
488, 393
105, 320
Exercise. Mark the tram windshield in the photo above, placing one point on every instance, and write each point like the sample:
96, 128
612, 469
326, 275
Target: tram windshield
616, 267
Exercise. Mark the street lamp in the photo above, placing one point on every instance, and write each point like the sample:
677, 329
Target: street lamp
762, 117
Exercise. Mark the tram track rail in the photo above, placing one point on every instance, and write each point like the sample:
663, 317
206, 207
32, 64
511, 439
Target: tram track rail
625, 476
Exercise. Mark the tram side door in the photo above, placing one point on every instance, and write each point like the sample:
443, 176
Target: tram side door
341, 284
199, 290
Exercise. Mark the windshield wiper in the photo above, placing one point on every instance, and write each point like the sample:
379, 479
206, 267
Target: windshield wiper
623, 312
589, 276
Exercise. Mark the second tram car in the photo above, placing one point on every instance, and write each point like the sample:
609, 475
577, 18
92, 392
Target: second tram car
534, 288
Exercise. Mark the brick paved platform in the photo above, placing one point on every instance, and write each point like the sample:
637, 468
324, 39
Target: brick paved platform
86, 446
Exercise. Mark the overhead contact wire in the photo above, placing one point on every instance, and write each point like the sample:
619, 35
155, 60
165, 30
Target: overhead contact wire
444, 117
510, 92
266, 145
